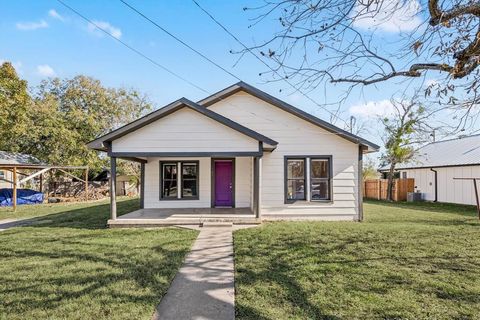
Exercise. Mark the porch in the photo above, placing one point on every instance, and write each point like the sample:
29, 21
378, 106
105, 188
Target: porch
184, 216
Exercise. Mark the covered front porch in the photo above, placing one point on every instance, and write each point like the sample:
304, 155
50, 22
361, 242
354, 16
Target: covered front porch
184, 216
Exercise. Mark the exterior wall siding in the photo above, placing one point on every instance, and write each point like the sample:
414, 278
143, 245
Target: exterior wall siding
449, 189
296, 137
185, 131
8, 176
243, 184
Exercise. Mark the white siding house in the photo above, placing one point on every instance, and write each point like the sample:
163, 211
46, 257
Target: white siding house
245, 150
438, 167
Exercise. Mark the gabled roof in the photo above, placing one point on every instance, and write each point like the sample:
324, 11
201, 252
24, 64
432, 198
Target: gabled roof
242, 86
99, 143
464, 151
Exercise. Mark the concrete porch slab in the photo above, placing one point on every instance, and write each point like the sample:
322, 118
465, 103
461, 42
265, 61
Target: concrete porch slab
193, 216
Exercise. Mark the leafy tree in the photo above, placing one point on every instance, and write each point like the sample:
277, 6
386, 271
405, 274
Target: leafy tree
15, 108
72, 112
63, 116
405, 129
369, 170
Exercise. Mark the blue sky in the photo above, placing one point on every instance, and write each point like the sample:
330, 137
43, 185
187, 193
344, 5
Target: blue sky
43, 38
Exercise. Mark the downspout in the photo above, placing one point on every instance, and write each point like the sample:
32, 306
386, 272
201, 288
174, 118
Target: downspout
436, 184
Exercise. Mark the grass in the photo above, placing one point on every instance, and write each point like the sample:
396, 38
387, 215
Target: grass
406, 261
38, 210
68, 266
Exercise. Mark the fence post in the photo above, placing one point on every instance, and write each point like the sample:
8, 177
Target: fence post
379, 188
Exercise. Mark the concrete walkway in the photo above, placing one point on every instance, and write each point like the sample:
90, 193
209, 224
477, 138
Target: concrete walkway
204, 286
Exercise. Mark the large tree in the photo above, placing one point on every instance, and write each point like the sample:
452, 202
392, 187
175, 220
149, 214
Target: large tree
15, 110
326, 41
62, 116
72, 112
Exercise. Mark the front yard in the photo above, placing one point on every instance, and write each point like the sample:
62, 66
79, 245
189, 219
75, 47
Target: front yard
68, 266
406, 261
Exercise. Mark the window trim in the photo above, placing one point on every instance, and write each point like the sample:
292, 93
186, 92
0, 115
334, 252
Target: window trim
309, 174
179, 164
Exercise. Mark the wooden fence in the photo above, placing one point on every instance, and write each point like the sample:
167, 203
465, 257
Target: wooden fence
377, 189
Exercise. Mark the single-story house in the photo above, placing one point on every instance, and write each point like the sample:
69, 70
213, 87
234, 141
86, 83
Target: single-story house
240, 151
437, 167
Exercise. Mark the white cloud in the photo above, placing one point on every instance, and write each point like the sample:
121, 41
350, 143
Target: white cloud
32, 25
389, 15
45, 70
54, 14
373, 109
114, 31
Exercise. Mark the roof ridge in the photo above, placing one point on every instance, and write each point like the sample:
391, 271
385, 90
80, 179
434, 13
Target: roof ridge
453, 139
262, 95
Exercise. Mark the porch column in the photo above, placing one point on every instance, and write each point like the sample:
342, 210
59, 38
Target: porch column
360, 183
14, 198
113, 184
142, 185
257, 188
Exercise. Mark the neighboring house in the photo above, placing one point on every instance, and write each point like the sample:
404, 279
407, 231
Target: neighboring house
9, 158
243, 148
437, 164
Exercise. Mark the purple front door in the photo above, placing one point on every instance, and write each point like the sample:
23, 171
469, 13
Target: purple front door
223, 183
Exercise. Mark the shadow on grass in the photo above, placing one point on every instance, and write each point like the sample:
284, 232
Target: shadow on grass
70, 269
92, 216
288, 268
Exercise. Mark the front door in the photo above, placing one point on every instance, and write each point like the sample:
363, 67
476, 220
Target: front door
223, 183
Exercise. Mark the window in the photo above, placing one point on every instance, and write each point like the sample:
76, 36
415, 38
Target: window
2, 174
295, 179
178, 180
189, 180
404, 174
319, 179
310, 182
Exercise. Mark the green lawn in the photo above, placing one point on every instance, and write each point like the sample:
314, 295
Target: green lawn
406, 261
36, 210
68, 266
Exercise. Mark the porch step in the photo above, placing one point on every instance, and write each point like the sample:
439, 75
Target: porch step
216, 224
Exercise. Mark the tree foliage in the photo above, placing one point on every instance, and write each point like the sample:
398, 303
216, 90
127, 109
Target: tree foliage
15, 104
62, 115
405, 129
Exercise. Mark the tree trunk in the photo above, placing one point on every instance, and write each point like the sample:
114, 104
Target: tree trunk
390, 182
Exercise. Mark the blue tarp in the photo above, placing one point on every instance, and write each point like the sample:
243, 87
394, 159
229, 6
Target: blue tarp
24, 196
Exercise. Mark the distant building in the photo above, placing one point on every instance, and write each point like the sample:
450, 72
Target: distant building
6, 176
438, 163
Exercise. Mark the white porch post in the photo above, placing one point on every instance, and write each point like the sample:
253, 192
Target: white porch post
257, 186
113, 184
142, 185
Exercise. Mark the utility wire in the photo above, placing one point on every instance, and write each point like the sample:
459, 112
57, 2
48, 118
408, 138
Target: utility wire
132, 48
170, 71
179, 40
263, 62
